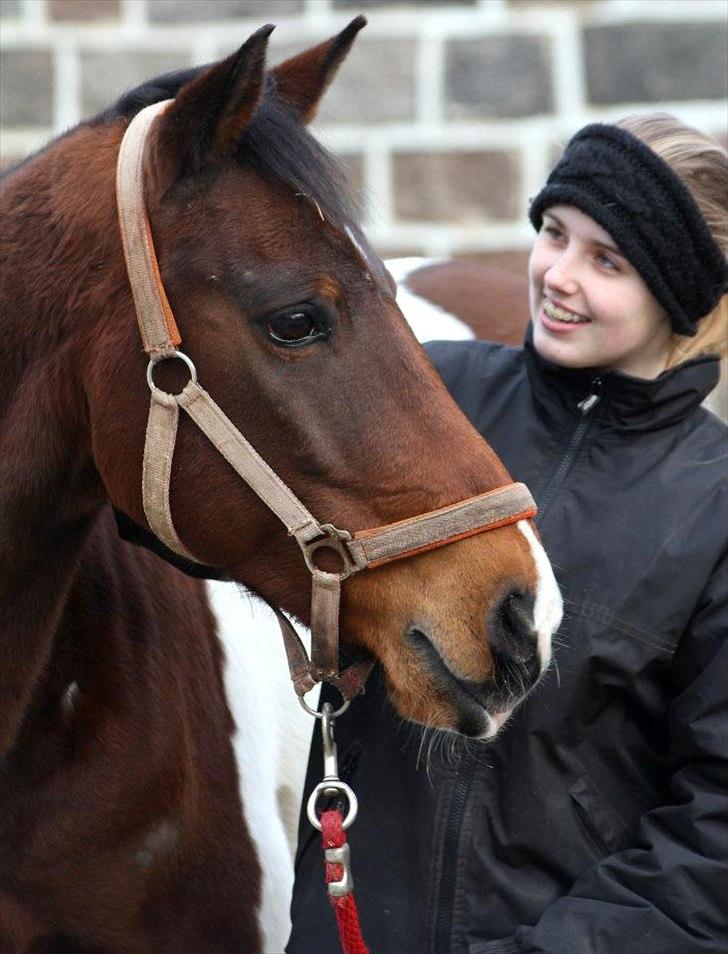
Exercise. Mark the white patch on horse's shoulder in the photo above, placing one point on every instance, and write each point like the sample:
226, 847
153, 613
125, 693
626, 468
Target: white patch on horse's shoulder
271, 743
549, 607
429, 322
69, 699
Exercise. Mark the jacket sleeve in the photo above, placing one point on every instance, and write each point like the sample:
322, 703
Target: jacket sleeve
669, 895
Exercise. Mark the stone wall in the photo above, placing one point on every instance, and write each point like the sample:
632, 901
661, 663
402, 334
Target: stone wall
447, 114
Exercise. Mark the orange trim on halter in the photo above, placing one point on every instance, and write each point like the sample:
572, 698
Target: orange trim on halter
513, 518
174, 335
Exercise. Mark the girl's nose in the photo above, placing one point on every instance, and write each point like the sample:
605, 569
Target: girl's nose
561, 276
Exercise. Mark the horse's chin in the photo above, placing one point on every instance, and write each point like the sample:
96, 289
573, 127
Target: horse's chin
475, 719
477, 722
497, 720
476, 710
455, 711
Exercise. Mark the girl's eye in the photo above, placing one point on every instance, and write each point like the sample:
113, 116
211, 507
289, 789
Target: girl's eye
552, 230
606, 262
297, 326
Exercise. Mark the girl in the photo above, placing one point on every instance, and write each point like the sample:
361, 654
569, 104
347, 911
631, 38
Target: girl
596, 821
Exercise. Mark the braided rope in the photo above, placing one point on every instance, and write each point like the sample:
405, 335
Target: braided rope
345, 909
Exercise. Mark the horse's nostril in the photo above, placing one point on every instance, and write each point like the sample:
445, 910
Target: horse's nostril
513, 638
517, 613
513, 631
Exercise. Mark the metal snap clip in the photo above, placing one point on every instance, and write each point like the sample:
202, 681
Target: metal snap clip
331, 784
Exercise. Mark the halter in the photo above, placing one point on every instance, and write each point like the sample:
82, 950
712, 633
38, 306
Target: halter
367, 548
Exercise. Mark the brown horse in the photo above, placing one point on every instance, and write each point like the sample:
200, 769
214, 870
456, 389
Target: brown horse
121, 827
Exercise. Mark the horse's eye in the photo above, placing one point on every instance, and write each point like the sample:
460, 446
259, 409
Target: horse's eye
297, 326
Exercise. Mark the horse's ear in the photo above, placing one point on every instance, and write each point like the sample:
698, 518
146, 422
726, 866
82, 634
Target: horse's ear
302, 80
208, 114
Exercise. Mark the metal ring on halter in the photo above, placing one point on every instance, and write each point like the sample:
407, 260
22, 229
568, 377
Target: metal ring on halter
332, 539
155, 359
319, 715
329, 787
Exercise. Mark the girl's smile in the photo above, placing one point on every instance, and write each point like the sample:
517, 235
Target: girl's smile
558, 318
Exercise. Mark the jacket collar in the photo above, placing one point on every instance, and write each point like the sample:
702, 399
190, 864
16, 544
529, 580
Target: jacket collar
625, 403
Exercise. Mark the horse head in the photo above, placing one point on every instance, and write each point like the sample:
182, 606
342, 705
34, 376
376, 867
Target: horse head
290, 319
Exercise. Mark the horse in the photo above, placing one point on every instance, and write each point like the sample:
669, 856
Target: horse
464, 297
122, 827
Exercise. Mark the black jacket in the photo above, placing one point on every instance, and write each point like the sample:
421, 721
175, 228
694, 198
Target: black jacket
597, 821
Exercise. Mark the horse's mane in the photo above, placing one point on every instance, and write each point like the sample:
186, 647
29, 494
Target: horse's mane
275, 144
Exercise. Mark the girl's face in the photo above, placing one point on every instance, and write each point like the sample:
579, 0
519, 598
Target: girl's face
589, 306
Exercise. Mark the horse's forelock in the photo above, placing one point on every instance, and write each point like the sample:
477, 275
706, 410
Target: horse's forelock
277, 145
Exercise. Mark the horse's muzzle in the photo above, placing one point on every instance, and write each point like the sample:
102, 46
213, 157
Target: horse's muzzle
483, 707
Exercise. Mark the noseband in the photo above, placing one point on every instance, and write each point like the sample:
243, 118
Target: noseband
367, 548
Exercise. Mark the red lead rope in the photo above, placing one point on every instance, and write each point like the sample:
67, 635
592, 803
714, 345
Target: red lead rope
338, 874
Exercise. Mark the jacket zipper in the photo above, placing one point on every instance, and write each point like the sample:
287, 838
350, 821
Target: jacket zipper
446, 893
448, 864
586, 407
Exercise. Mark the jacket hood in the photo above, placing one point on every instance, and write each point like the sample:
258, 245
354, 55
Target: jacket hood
626, 402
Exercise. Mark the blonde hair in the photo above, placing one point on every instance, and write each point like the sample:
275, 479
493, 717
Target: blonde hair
702, 164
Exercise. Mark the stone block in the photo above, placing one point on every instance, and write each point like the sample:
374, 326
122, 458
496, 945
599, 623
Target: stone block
552, 3
10, 8
186, 11
383, 4
498, 76
653, 62
392, 250
375, 83
105, 76
84, 10
457, 187
26, 88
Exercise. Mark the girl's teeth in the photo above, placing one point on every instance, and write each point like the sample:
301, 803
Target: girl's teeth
558, 314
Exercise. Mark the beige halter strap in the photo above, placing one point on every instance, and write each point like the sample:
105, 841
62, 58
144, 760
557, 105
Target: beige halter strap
367, 548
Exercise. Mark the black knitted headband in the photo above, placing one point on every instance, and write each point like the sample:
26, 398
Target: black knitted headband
631, 192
